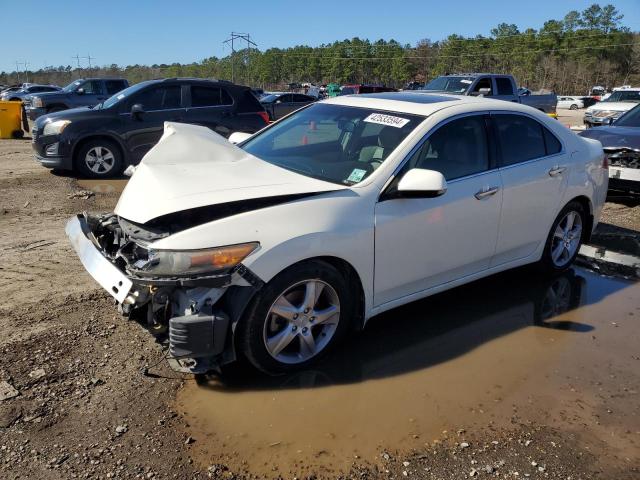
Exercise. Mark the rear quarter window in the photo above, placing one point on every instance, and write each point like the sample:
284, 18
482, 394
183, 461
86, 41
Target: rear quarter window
247, 102
209, 97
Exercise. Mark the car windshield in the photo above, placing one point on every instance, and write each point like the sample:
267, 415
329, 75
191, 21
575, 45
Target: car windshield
624, 96
449, 84
334, 143
122, 94
630, 119
72, 86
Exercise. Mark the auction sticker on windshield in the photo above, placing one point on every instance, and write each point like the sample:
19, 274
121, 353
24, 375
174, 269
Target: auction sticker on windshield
390, 120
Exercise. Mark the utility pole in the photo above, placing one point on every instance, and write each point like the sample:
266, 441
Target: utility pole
77, 57
238, 36
89, 58
18, 70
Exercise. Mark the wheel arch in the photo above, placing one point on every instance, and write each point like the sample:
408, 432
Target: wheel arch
588, 208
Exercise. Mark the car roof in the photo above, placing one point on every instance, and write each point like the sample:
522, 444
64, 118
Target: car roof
419, 103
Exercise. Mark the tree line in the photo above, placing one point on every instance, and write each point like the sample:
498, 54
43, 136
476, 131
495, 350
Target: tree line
569, 55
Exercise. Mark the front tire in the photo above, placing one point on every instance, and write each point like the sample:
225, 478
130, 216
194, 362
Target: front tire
297, 318
573, 107
99, 158
565, 239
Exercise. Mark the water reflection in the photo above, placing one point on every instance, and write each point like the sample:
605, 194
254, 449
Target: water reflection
437, 329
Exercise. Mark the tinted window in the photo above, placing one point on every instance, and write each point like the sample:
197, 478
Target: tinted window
457, 149
159, 98
301, 98
114, 86
504, 86
551, 143
92, 87
209, 97
483, 83
521, 138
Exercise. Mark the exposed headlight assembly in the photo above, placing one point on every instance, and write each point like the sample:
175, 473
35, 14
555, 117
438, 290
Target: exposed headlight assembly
56, 127
36, 102
188, 263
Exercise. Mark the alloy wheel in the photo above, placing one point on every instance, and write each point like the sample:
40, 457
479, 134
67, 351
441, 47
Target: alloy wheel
566, 239
100, 160
302, 321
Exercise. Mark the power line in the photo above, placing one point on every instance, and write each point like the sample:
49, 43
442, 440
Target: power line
238, 36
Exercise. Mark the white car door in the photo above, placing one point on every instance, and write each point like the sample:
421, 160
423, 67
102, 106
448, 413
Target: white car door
421, 243
534, 167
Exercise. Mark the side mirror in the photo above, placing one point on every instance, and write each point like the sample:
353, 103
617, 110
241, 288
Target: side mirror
238, 137
421, 183
137, 110
80, 91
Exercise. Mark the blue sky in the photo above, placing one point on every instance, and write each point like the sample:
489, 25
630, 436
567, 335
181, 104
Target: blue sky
163, 31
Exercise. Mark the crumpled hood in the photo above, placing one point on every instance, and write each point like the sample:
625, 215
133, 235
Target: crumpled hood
615, 106
615, 137
192, 166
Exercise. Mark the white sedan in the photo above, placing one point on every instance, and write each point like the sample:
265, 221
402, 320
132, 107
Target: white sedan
572, 103
275, 248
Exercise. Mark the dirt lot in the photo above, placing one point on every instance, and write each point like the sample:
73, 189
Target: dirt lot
512, 376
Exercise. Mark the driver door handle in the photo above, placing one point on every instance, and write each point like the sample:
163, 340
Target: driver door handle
486, 192
557, 170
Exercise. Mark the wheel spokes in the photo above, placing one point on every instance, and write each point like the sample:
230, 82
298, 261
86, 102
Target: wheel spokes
325, 315
312, 292
281, 340
307, 344
283, 308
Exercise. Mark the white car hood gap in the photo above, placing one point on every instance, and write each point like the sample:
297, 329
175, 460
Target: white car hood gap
192, 166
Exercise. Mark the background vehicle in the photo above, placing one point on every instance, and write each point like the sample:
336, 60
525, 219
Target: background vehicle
621, 142
17, 95
611, 108
101, 141
333, 90
279, 105
499, 87
79, 93
394, 197
360, 89
571, 103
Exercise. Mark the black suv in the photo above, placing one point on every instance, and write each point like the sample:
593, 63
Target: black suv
101, 141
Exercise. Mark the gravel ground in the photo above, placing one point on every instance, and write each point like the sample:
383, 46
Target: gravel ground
74, 403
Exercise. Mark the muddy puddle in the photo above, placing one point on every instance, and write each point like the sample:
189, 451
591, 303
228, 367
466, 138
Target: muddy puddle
493, 354
104, 186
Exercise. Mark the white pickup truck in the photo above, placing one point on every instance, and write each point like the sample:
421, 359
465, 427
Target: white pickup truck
499, 87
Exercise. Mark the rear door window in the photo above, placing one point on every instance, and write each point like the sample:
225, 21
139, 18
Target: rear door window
503, 85
522, 138
209, 96
114, 86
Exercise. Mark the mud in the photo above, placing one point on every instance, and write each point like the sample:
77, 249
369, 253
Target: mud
559, 393
108, 186
503, 350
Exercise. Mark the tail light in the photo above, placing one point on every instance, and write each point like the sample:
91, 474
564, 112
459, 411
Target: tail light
265, 116
605, 162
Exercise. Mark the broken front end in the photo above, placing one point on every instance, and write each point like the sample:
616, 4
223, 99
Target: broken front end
189, 299
624, 168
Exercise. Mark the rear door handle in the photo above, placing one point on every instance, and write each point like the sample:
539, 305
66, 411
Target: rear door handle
557, 170
486, 192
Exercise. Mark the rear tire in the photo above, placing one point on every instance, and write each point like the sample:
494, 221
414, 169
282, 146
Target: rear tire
573, 107
99, 158
564, 239
297, 318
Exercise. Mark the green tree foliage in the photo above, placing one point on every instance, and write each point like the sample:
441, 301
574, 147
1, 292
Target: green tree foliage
570, 55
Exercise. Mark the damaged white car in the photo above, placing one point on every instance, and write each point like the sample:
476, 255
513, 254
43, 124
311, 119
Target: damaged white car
275, 248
